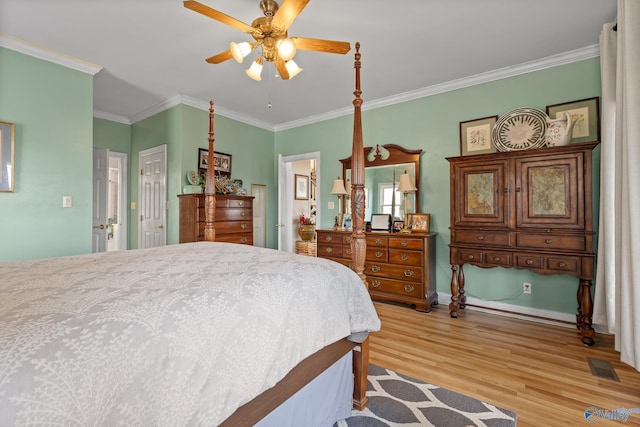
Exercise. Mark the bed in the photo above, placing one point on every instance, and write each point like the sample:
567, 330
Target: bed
206, 333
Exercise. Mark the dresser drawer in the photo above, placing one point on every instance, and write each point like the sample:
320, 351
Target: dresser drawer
497, 258
335, 239
562, 264
222, 202
405, 243
396, 287
245, 239
377, 241
228, 214
377, 254
399, 256
329, 250
346, 239
529, 261
551, 241
470, 255
496, 238
226, 227
399, 272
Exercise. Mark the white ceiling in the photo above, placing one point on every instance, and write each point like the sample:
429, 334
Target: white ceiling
153, 50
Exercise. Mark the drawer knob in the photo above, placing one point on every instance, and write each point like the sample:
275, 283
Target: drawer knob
404, 257
529, 262
243, 225
408, 288
329, 250
378, 241
480, 237
328, 238
404, 243
408, 273
375, 268
375, 283
562, 265
378, 254
348, 239
240, 203
348, 251
470, 257
243, 240
496, 259
548, 241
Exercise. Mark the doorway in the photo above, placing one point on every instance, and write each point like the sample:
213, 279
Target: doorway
109, 201
289, 209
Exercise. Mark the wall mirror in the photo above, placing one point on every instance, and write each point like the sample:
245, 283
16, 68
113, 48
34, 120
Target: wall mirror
384, 165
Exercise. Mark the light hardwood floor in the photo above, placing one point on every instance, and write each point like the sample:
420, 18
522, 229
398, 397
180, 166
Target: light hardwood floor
536, 370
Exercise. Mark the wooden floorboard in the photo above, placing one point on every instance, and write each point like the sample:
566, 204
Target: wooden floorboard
536, 370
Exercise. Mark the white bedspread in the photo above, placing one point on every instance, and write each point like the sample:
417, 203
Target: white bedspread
171, 336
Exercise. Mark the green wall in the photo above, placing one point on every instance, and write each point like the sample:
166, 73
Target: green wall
432, 124
52, 109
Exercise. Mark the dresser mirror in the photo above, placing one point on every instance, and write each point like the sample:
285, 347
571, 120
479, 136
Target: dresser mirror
384, 165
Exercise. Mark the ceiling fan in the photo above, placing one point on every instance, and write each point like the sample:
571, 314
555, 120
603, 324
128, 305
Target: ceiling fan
270, 34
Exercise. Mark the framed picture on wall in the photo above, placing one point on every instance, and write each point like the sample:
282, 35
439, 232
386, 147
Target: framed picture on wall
221, 162
587, 126
475, 136
6, 156
301, 187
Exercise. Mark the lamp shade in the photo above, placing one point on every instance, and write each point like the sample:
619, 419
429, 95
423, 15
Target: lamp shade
255, 70
338, 187
239, 50
406, 184
286, 49
292, 68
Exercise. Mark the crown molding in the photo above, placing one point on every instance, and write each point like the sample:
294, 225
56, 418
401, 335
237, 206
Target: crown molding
112, 117
41, 52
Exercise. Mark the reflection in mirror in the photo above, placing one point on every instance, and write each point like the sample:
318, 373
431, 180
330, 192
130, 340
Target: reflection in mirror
384, 165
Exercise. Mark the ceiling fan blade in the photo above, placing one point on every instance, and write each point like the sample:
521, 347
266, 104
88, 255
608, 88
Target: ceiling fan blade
218, 16
282, 69
289, 11
221, 57
318, 45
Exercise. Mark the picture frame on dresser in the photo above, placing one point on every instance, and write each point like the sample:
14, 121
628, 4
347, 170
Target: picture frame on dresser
381, 222
419, 222
587, 111
475, 136
6, 156
221, 162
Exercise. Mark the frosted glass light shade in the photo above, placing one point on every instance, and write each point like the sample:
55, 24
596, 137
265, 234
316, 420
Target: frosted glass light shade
292, 68
239, 50
406, 184
338, 187
286, 49
255, 70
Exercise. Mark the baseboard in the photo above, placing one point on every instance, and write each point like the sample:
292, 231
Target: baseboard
539, 315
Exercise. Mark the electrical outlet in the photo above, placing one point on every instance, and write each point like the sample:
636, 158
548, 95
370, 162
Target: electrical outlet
526, 288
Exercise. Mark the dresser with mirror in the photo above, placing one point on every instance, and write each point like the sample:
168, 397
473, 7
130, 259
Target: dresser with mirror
400, 267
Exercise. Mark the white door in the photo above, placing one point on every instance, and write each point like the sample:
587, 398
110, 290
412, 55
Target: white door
152, 197
117, 202
100, 188
285, 197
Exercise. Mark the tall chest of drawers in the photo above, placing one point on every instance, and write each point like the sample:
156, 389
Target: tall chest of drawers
233, 218
399, 267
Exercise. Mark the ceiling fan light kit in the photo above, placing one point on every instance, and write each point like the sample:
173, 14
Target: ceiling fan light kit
269, 33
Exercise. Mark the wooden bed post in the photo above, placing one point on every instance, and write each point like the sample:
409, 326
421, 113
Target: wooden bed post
210, 189
358, 239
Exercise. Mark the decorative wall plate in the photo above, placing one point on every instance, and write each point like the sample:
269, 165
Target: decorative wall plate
520, 129
192, 177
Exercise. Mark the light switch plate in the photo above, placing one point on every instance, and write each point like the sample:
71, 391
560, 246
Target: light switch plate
330, 205
67, 201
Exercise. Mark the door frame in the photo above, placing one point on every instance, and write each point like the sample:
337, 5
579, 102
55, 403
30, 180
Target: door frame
285, 196
123, 184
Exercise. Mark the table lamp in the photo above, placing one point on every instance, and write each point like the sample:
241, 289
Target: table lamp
339, 190
406, 186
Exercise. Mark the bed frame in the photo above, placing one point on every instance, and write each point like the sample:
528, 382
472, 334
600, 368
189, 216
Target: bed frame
311, 367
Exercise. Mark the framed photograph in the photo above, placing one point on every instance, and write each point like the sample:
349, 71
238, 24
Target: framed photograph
221, 162
587, 127
302, 187
419, 222
397, 226
381, 222
6, 156
475, 136
347, 224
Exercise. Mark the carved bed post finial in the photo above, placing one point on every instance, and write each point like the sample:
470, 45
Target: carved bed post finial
210, 189
358, 240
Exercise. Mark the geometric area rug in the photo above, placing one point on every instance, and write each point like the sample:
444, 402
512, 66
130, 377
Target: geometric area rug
398, 400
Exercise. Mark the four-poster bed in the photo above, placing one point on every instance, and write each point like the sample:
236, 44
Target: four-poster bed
205, 333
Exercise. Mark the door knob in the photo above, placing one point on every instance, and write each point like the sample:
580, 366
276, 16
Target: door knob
101, 226
159, 226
